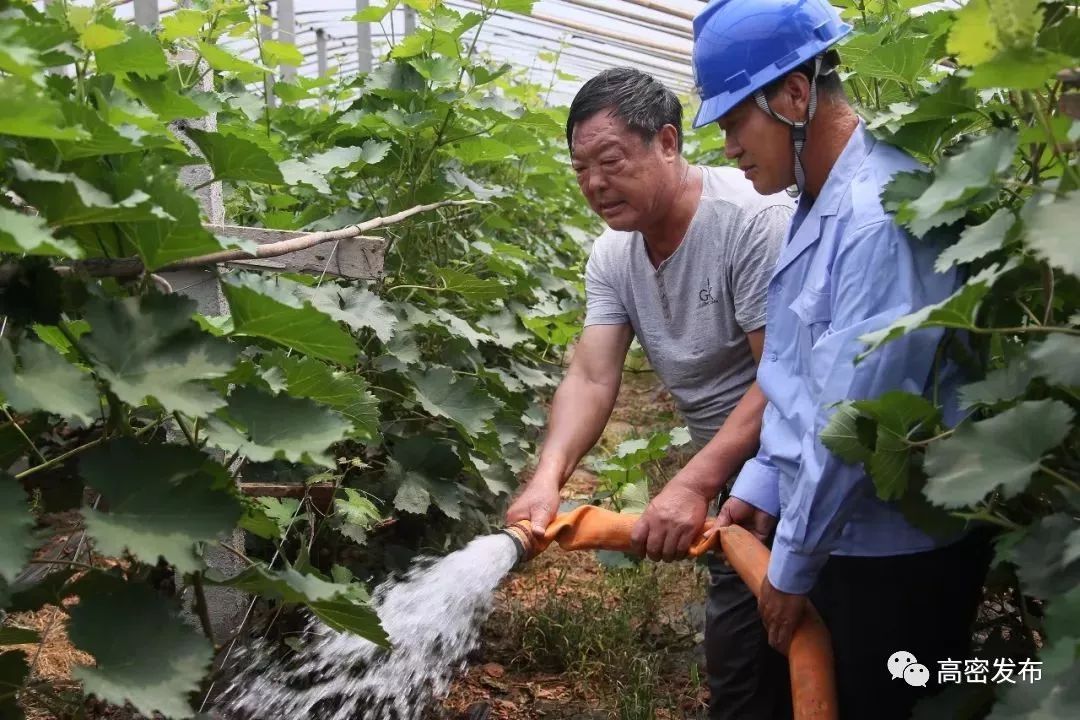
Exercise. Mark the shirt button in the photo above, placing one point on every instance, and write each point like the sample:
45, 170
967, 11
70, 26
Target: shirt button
772, 357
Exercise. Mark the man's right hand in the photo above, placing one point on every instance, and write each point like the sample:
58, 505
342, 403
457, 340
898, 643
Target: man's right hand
538, 504
739, 512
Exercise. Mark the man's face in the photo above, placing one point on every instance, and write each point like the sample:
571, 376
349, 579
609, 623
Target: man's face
619, 173
761, 145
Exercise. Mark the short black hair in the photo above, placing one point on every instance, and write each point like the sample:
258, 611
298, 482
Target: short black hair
828, 80
636, 98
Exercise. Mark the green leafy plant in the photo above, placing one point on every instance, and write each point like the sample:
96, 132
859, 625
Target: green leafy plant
398, 408
984, 94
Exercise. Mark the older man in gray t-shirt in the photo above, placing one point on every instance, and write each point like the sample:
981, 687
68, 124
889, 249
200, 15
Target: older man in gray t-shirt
685, 267
692, 313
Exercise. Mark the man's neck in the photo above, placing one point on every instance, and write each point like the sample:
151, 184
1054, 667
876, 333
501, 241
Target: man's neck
664, 236
833, 125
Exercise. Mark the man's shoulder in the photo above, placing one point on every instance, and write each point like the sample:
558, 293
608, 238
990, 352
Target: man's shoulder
879, 168
726, 189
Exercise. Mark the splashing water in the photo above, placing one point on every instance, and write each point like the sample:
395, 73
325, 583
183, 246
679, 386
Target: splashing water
433, 617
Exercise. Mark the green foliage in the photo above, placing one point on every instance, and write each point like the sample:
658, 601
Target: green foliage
981, 107
408, 400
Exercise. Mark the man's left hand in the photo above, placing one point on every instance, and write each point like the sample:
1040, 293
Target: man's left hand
781, 612
671, 523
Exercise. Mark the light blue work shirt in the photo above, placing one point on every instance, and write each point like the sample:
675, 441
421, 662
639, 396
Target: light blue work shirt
846, 269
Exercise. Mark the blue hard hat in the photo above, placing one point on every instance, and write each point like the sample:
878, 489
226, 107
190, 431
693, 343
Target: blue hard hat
740, 46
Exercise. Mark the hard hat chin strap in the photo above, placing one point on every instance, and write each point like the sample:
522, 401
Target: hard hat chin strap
798, 129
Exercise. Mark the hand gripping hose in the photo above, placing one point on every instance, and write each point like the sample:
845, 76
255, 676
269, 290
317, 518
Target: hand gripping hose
810, 659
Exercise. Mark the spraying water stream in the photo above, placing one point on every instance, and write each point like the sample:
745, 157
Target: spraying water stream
433, 617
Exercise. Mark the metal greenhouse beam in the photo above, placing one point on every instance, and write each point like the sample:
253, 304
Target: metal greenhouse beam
682, 29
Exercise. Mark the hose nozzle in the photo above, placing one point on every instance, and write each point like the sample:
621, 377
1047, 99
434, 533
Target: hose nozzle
524, 540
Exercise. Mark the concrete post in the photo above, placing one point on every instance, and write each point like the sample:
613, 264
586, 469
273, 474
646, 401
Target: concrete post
146, 13
286, 27
226, 605
363, 40
266, 32
410, 21
320, 50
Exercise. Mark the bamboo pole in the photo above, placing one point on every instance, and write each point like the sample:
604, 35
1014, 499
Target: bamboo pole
664, 8
682, 29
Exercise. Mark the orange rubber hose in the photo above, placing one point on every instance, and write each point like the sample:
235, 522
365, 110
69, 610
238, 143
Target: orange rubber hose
810, 658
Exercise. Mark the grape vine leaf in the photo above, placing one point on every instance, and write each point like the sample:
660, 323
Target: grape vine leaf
67, 199
1055, 359
977, 241
46, 381
335, 604
269, 308
999, 385
140, 54
265, 427
234, 158
30, 235
898, 414
16, 523
458, 399
470, 286
1001, 452
1049, 230
357, 307
161, 499
307, 377
960, 177
14, 670
956, 311
27, 112
149, 347
143, 652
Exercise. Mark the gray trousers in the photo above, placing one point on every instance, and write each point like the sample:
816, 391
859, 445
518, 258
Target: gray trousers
748, 680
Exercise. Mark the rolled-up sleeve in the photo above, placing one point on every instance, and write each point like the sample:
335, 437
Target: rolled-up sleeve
874, 281
758, 483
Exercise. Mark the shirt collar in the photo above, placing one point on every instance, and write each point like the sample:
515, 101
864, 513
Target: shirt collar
843, 171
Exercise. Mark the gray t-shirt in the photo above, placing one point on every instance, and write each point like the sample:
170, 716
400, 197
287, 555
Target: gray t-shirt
691, 314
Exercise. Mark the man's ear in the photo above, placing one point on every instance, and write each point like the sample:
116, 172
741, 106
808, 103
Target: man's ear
668, 138
793, 98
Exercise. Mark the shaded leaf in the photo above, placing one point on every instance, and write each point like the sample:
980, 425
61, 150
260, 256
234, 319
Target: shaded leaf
470, 286
149, 347
842, 437
224, 61
234, 158
165, 102
161, 499
67, 199
999, 453
144, 653
1000, 384
16, 524
14, 670
348, 394
27, 112
46, 381
265, 427
456, 398
30, 235
17, 636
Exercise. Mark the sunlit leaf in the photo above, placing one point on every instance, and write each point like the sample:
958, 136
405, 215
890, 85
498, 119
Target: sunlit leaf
456, 398
1050, 230
140, 54
268, 308
234, 158
28, 234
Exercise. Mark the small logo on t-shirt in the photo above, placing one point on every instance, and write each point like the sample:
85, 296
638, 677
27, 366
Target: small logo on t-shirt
705, 295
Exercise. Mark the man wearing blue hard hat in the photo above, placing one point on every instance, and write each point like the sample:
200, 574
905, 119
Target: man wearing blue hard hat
767, 76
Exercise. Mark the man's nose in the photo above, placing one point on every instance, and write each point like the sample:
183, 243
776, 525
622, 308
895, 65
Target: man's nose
595, 181
731, 148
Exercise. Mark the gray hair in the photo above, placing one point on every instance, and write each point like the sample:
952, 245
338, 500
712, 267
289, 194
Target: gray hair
636, 98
